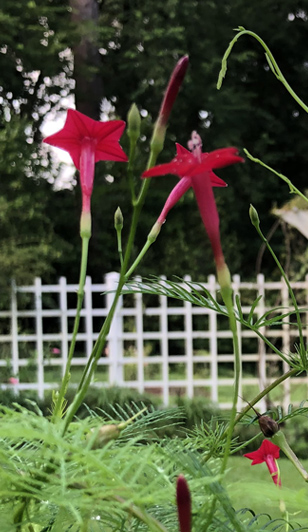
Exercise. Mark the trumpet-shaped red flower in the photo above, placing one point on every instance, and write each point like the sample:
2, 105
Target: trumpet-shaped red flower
183, 501
196, 170
268, 453
88, 141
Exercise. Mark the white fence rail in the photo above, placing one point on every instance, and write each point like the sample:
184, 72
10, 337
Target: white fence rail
153, 345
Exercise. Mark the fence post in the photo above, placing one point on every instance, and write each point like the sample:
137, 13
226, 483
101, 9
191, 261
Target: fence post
14, 333
63, 321
260, 310
164, 345
189, 345
213, 341
236, 292
285, 302
88, 315
139, 341
115, 343
39, 336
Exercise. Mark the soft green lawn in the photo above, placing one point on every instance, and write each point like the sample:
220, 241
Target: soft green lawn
252, 487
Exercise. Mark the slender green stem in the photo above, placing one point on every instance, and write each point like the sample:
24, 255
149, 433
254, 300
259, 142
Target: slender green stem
292, 188
270, 344
150, 240
270, 59
130, 166
268, 389
119, 242
297, 313
257, 398
100, 342
98, 346
245, 444
92, 363
226, 293
139, 258
80, 296
237, 376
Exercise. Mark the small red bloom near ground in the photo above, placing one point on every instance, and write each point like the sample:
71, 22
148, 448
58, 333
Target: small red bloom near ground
268, 453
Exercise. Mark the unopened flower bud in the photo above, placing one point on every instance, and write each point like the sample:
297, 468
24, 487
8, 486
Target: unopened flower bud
133, 123
183, 501
109, 432
105, 434
118, 219
254, 217
171, 93
268, 426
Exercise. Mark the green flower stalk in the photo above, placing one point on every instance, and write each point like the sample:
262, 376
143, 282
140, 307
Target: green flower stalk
280, 440
87, 141
106, 433
195, 169
137, 203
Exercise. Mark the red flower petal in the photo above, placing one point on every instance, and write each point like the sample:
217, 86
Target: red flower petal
203, 190
176, 193
180, 150
79, 127
267, 448
198, 167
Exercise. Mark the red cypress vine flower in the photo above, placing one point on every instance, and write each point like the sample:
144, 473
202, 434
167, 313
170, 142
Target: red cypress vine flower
196, 170
268, 453
88, 141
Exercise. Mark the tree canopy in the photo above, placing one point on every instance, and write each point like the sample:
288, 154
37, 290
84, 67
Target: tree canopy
124, 52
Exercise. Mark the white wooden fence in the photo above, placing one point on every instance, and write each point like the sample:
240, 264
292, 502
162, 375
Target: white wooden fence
153, 345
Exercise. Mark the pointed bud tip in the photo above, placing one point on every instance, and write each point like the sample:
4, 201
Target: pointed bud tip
133, 123
118, 219
105, 434
254, 217
182, 490
171, 93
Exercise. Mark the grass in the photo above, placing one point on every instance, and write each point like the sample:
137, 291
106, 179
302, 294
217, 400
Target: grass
251, 487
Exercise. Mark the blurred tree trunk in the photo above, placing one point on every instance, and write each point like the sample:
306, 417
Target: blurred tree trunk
89, 85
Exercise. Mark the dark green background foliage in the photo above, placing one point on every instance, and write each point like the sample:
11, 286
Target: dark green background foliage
130, 50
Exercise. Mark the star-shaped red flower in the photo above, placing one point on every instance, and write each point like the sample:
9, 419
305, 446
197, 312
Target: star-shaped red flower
78, 128
195, 169
268, 453
88, 141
